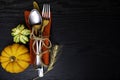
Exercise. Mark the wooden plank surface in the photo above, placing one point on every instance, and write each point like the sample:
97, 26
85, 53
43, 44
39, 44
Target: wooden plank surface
87, 29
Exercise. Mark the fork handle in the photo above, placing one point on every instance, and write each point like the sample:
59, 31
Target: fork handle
40, 72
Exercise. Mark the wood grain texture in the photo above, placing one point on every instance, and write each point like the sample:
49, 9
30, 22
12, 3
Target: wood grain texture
87, 29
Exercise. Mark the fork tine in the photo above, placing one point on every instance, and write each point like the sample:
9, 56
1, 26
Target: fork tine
47, 15
43, 10
48, 11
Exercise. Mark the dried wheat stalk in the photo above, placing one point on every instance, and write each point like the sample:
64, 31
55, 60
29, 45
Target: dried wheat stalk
53, 57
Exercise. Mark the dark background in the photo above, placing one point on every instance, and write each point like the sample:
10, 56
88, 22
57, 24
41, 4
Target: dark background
87, 30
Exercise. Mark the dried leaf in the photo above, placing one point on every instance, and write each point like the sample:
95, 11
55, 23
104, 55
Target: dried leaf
20, 34
35, 6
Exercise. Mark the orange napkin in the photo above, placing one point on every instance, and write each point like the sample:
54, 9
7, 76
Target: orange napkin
46, 56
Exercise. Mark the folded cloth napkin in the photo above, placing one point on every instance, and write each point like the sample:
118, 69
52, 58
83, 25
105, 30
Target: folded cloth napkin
46, 32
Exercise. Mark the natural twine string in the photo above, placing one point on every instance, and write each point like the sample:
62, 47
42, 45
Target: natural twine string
41, 38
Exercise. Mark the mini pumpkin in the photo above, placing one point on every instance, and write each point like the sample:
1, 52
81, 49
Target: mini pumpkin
15, 58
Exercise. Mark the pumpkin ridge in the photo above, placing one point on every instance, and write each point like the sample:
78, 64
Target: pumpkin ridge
5, 61
19, 65
12, 46
17, 47
6, 65
5, 56
22, 54
12, 67
5, 53
24, 60
20, 46
14, 70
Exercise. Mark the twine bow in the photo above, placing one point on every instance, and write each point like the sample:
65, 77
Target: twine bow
42, 39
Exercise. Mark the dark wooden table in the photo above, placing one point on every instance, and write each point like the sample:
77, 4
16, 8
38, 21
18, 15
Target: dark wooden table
88, 31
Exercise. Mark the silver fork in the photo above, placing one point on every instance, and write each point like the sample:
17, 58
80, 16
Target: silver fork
45, 15
46, 19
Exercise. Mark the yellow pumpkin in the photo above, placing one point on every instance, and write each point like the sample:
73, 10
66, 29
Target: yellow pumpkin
15, 58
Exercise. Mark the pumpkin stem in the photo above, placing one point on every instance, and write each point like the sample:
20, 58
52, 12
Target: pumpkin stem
12, 58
